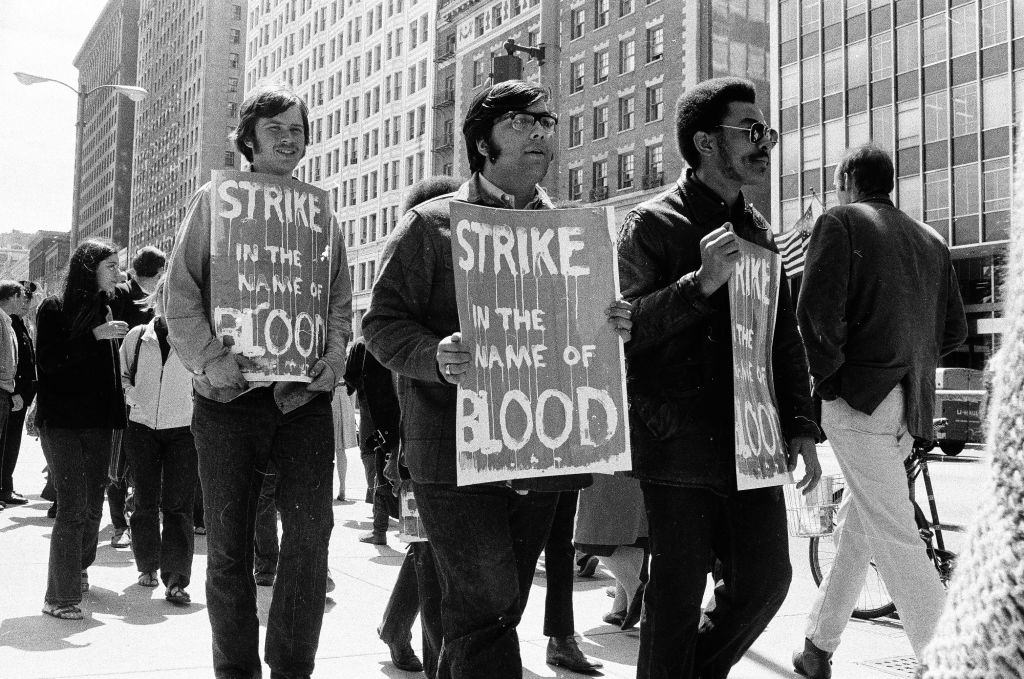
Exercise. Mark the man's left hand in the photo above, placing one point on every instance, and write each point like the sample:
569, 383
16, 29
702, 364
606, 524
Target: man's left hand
323, 376
804, 447
17, 403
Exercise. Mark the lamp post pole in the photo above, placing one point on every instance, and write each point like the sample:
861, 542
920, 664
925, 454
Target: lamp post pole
134, 93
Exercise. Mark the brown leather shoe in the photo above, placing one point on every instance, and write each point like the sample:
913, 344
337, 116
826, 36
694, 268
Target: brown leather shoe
565, 652
404, 658
812, 662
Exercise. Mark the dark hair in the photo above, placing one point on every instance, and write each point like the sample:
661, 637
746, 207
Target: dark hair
869, 167
428, 188
265, 102
149, 261
489, 105
30, 287
703, 107
83, 301
9, 289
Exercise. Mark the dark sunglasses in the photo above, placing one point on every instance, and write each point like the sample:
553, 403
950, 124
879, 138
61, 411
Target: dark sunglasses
758, 132
525, 120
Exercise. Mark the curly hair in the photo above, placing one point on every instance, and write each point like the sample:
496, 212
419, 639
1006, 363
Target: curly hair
703, 107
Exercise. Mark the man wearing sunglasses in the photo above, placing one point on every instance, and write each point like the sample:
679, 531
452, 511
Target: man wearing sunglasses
676, 255
485, 538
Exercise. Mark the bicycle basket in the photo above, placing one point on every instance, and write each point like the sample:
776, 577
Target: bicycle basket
813, 515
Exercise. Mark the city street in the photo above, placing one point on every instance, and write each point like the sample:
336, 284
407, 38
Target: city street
130, 631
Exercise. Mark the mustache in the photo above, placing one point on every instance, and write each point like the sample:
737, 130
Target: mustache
759, 156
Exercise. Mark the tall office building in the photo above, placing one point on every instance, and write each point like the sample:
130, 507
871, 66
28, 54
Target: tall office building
937, 83
617, 69
190, 61
365, 69
103, 153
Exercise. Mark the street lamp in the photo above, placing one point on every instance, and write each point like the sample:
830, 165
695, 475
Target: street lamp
134, 93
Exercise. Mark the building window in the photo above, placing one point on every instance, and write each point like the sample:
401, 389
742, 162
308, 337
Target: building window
577, 18
965, 109
627, 56
229, 159
626, 7
601, 67
602, 10
655, 43
576, 76
575, 130
478, 26
232, 84
655, 103
233, 59
496, 16
654, 160
626, 171
478, 72
997, 184
601, 121
627, 113
236, 36
600, 169
575, 183
936, 196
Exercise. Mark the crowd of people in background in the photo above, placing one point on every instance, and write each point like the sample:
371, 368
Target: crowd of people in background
137, 400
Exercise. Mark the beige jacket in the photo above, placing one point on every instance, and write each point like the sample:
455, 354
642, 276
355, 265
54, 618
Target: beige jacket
161, 397
8, 353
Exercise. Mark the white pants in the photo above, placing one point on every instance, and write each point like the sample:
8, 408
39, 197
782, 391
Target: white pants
875, 523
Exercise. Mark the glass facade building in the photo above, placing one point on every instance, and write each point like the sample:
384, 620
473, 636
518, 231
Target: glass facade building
937, 83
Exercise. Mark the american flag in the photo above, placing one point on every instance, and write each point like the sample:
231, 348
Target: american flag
793, 244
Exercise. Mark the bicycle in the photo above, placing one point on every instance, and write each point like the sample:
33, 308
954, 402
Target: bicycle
874, 601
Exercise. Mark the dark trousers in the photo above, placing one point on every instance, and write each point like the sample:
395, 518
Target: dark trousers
559, 566
268, 546
689, 527
117, 494
78, 461
235, 442
10, 439
486, 541
416, 590
163, 463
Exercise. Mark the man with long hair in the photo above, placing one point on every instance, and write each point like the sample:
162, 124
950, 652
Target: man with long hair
241, 427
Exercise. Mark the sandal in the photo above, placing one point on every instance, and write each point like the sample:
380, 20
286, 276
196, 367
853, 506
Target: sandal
85, 582
67, 612
177, 595
148, 579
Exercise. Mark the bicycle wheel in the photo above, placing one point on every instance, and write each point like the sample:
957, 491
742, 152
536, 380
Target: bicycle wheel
874, 600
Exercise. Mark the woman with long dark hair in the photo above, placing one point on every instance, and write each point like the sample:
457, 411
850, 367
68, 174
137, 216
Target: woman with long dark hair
80, 403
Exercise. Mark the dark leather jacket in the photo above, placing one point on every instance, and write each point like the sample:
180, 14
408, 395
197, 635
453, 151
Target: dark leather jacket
679, 360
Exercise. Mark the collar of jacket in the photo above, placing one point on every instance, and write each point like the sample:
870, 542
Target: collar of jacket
477, 192
708, 205
882, 198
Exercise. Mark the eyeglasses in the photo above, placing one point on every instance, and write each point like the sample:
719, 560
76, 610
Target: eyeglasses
758, 132
525, 120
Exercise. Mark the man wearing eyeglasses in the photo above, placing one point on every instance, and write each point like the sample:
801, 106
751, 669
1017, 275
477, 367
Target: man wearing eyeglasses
676, 255
485, 538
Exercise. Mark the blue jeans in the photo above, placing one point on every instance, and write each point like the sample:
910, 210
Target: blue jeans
486, 541
690, 527
78, 460
163, 463
235, 442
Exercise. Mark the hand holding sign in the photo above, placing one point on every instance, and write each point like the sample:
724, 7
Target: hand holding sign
803, 446
620, 315
452, 358
225, 372
719, 253
323, 376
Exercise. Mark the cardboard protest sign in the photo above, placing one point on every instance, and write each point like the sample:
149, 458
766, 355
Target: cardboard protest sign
270, 271
753, 301
545, 394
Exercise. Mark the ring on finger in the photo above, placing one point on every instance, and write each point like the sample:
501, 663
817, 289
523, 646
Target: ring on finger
448, 370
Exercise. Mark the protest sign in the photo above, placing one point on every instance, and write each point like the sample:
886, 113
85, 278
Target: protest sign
761, 457
270, 271
545, 393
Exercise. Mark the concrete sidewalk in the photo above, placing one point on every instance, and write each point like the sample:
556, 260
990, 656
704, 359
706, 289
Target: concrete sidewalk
130, 631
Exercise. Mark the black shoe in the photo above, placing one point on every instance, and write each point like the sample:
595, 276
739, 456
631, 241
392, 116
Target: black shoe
51, 513
636, 608
812, 662
615, 618
565, 652
587, 566
13, 498
404, 658
265, 579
